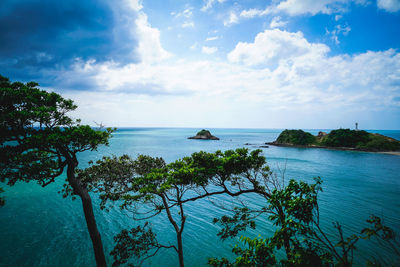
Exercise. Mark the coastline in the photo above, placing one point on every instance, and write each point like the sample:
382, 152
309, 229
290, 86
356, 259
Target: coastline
396, 153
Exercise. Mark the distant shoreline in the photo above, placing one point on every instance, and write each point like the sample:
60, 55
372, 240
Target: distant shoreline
397, 153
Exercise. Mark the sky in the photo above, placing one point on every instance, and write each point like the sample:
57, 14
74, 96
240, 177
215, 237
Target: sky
306, 64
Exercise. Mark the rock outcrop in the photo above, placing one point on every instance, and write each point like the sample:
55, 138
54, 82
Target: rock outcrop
204, 135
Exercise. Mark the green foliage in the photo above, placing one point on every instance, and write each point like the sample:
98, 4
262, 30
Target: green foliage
297, 200
37, 137
290, 209
227, 165
38, 142
345, 138
361, 140
231, 226
257, 253
203, 132
125, 179
384, 235
167, 188
293, 209
137, 243
293, 216
384, 232
24, 106
148, 187
142, 179
379, 142
296, 137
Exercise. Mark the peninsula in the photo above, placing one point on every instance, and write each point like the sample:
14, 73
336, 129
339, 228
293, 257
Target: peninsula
341, 139
204, 135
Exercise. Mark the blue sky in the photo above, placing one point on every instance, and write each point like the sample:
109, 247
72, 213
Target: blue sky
211, 63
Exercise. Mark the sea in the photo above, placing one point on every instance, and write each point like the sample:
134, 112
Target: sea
38, 227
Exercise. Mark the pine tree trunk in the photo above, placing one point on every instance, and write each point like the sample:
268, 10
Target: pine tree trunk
177, 230
180, 249
89, 215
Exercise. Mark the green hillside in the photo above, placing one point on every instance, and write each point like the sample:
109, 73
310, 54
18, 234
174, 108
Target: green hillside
340, 138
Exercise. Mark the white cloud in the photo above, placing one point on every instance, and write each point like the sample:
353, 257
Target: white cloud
149, 48
295, 93
212, 38
209, 3
313, 7
253, 12
135, 4
186, 15
277, 22
209, 50
232, 19
300, 7
338, 17
343, 29
272, 46
188, 24
337, 31
389, 5
297, 7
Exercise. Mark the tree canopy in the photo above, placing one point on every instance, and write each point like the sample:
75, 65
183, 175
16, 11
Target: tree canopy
293, 209
203, 132
149, 187
361, 140
295, 137
39, 141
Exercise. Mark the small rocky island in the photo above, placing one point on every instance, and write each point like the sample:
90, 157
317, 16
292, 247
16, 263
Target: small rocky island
342, 139
204, 135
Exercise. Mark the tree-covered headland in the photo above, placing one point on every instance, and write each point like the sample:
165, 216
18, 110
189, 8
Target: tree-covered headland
296, 137
340, 138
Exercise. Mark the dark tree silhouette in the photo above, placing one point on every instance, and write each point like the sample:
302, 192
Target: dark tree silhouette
38, 142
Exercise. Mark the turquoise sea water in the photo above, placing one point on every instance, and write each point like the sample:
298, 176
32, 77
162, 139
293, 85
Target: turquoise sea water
40, 228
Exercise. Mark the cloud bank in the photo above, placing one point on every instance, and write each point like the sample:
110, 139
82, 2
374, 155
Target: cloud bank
40, 34
279, 74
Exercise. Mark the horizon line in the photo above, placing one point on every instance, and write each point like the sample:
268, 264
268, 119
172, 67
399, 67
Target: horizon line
250, 128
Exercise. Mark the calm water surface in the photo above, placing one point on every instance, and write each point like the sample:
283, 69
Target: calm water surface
40, 228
